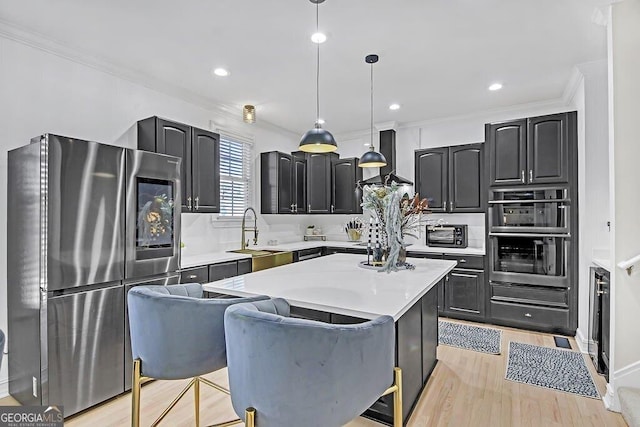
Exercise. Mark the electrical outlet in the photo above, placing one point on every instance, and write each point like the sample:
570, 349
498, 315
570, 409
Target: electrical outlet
35, 387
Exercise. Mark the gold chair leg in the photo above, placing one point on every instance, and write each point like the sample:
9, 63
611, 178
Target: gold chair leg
135, 394
250, 417
397, 398
175, 401
214, 385
196, 396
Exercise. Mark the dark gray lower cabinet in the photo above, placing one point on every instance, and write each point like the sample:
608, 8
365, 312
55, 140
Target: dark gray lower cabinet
195, 275
542, 308
305, 254
244, 266
223, 270
464, 294
416, 342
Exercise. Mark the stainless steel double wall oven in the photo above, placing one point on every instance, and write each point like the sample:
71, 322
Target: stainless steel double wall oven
529, 236
86, 221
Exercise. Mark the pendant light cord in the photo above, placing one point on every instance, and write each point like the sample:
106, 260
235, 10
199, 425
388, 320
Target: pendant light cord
317, 69
371, 144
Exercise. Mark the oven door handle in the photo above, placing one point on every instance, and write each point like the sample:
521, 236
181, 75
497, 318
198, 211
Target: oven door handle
564, 235
510, 202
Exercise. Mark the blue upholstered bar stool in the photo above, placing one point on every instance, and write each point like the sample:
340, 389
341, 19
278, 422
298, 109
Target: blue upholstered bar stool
286, 372
176, 334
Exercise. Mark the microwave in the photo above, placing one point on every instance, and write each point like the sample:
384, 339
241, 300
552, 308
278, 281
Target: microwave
447, 236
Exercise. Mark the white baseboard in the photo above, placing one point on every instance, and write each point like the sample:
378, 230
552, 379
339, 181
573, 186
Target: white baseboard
610, 399
629, 376
583, 343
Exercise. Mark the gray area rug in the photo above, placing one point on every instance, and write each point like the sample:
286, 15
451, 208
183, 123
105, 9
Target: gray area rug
562, 370
484, 340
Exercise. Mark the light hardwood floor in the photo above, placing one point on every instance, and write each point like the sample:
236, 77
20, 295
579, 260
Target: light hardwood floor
466, 388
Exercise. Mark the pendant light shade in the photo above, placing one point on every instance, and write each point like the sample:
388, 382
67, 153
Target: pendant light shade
318, 140
372, 159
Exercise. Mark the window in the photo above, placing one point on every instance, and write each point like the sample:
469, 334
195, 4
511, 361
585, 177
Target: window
235, 175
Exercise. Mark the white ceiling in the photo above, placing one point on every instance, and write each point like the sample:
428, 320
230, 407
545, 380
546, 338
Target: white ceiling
437, 58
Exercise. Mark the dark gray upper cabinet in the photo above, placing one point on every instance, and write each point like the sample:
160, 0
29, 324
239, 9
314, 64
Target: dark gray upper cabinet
530, 151
200, 153
275, 187
451, 178
205, 174
548, 149
507, 152
346, 194
466, 178
299, 185
431, 177
318, 180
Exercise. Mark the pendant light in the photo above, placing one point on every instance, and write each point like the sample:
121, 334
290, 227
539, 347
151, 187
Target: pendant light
318, 140
372, 159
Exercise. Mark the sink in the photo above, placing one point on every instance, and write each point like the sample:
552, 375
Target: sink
262, 259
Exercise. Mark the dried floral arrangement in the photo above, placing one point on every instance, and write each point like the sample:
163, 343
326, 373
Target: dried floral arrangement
398, 215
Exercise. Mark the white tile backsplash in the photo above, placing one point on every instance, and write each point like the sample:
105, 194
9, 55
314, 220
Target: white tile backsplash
202, 233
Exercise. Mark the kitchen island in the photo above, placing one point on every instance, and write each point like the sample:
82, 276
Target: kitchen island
335, 289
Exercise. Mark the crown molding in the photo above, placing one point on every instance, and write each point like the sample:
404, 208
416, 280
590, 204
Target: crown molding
557, 103
38, 41
393, 125
572, 86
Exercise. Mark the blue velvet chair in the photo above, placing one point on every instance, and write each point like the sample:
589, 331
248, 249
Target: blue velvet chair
286, 372
176, 334
1, 347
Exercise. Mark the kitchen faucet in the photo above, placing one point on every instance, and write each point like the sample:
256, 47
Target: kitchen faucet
254, 229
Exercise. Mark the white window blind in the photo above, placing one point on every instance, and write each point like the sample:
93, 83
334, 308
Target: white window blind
235, 175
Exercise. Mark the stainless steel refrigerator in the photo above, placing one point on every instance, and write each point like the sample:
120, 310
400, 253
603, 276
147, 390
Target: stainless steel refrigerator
84, 219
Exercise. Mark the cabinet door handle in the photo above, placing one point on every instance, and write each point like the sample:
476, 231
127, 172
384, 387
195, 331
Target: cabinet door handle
189, 206
469, 276
462, 260
522, 176
451, 205
527, 315
530, 175
309, 208
197, 202
295, 208
192, 276
444, 204
291, 207
332, 208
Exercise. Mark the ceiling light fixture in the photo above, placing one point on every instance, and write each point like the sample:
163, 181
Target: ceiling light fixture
372, 159
221, 72
394, 107
495, 86
249, 114
318, 38
318, 140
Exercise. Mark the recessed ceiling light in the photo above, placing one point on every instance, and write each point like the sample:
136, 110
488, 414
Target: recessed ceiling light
221, 72
394, 107
495, 86
318, 38
320, 121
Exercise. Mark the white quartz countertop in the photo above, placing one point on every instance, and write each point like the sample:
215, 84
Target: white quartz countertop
336, 284
187, 260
